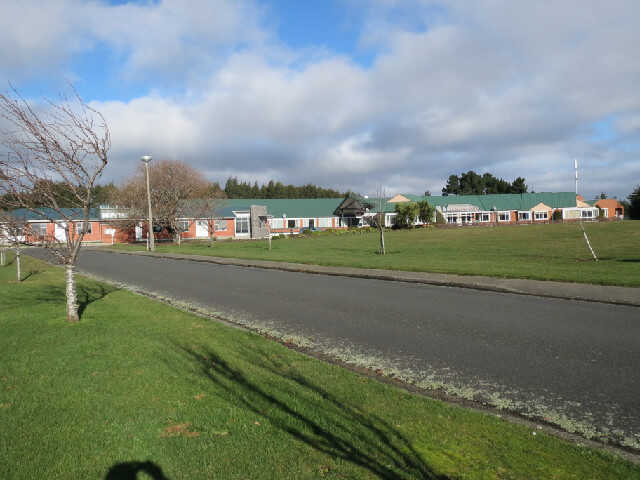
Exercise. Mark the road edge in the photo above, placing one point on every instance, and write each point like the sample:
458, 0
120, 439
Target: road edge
615, 295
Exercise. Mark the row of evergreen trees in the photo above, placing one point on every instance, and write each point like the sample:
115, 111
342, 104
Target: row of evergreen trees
470, 183
235, 189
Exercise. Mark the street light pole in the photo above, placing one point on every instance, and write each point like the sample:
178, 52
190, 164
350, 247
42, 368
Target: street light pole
150, 240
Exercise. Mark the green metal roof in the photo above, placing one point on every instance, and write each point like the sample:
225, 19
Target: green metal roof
277, 207
47, 214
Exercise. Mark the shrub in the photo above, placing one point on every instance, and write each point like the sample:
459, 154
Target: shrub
406, 214
557, 215
425, 211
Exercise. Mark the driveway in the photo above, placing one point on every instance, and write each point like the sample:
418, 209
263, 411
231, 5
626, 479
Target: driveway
575, 364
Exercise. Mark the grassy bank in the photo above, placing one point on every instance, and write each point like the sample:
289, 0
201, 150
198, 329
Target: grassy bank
543, 252
140, 386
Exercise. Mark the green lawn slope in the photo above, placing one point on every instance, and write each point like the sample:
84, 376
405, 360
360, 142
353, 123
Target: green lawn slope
138, 386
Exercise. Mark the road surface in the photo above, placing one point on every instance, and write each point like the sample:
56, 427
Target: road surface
576, 364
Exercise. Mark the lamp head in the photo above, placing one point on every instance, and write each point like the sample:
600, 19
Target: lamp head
145, 158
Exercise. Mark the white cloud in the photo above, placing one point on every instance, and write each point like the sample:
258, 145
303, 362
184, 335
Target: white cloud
509, 87
173, 38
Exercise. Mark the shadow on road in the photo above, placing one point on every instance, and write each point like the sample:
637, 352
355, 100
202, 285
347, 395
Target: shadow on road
313, 415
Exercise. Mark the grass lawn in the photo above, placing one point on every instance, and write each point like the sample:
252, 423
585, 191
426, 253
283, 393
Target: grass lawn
543, 252
141, 386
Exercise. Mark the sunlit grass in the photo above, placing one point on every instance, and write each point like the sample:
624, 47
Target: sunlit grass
543, 252
140, 386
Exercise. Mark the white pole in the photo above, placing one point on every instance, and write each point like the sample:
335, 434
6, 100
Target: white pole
584, 232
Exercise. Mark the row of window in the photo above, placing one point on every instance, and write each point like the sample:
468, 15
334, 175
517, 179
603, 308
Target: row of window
242, 223
40, 229
279, 223
486, 217
218, 225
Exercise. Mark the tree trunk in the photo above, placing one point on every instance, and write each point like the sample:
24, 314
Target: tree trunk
18, 266
178, 238
72, 301
2, 258
382, 250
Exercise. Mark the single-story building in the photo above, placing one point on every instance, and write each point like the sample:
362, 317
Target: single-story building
611, 208
256, 218
503, 209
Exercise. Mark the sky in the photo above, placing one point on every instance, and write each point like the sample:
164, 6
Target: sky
349, 94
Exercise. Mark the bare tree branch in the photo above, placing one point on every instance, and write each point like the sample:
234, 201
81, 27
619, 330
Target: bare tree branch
65, 141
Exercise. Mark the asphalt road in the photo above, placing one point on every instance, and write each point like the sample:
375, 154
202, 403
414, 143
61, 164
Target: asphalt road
573, 363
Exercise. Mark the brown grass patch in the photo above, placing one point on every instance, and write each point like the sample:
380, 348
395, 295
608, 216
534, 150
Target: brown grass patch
178, 430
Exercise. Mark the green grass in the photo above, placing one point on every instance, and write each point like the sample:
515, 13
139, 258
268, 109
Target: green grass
139, 381
542, 252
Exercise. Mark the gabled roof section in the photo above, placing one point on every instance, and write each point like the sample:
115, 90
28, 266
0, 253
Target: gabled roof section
581, 203
399, 198
608, 203
541, 207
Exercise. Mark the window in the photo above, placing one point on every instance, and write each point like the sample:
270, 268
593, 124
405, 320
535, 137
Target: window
587, 213
39, 229
504, 216
242, 225
466, 217
452, 218
524, 216
291, 224
390, 221
541, 215
324, 222
277, 223
482, 217
80, 227
220, 225
183, 225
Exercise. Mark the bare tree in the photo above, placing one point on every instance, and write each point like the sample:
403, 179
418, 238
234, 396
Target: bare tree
377, 219
65, 141
178, 194
13, 232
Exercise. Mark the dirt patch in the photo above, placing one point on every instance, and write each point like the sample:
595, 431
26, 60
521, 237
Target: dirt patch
179, 430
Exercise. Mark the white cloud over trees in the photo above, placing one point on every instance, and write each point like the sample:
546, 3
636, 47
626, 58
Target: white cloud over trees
512, 87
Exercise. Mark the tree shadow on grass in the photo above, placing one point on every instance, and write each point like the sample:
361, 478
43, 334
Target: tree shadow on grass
30, 273
130, 470
87, 294
27, 296
313, 415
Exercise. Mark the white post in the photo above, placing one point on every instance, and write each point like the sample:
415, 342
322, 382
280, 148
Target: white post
584, 232
18, 265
